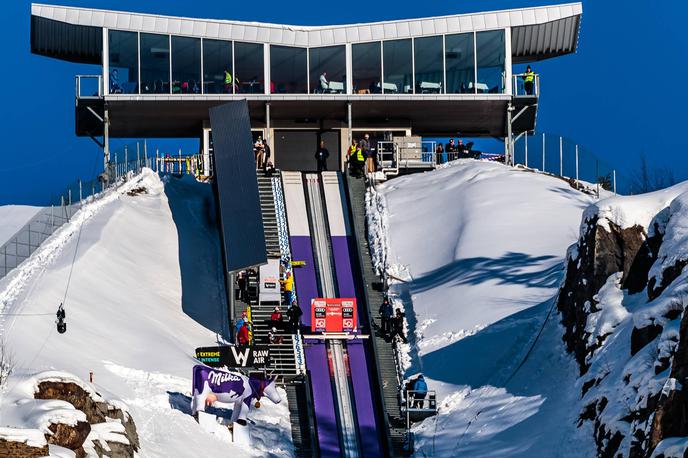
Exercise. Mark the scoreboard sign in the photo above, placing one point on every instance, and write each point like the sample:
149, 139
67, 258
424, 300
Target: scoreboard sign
333, 315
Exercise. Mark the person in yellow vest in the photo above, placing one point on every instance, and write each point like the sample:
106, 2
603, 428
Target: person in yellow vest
288, 288
355, 157
228, 82
529, 81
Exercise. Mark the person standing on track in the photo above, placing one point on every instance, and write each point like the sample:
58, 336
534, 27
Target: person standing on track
321, 156
386, 313
294, 314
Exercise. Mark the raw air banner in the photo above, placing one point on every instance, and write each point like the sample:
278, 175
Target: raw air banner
231, 356
333, 315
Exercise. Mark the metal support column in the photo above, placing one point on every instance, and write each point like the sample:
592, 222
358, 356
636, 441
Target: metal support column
106, 139
614, 178
526, 135
561, 156
231, 304
508, 159
576, 165
543, 152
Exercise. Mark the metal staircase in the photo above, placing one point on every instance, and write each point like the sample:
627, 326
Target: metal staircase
267, 207
386, 361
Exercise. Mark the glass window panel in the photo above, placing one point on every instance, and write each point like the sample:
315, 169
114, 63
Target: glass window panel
155, 64
460, 63
248, 72
288, 70
328, 70
186, 65
367, 67
398, 78
429, 66
123, 61
490, 54
217, 67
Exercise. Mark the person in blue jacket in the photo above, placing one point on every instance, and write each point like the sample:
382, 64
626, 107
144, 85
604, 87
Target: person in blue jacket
420, 389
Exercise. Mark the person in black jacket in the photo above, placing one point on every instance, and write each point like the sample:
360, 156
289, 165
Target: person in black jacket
321, 156
294, 313
398, 325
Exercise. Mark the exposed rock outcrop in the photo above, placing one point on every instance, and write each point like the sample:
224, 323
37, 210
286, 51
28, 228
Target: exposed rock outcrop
21, 449
623, 307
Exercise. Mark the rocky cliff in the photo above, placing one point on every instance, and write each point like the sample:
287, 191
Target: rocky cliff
622, 308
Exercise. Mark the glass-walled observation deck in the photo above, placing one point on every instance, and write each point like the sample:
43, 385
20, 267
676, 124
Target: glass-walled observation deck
463, 63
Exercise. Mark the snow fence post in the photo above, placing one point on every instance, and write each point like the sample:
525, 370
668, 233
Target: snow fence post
543, 152
576, 165
126, 159
138, 158
614, 176
561, 156
526, 134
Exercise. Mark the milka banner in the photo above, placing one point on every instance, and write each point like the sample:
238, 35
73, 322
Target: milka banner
231, 356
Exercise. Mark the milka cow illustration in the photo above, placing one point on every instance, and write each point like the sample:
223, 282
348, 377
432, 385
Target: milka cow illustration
210, 385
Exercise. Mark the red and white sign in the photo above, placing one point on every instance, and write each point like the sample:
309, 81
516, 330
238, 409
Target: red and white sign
333, 315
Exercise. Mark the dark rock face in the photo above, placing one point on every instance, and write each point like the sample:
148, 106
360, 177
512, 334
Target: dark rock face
21, 450
600, 254
73, 438
671, 416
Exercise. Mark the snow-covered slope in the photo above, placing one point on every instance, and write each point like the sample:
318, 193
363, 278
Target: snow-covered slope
13, 217
143, 294
477, 250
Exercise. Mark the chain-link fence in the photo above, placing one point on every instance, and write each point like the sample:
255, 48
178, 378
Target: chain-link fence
61, 208
564, 157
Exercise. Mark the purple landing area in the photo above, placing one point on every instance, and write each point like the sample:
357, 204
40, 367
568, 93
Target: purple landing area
365, 407
304, 276
323, 402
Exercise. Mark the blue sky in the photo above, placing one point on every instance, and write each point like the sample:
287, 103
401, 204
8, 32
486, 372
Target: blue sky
623, 93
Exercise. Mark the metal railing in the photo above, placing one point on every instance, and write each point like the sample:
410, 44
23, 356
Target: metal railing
60, 210
564, 157
522, 90
393, 155
89, 86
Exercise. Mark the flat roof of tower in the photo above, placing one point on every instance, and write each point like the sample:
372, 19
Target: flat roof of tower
537, 33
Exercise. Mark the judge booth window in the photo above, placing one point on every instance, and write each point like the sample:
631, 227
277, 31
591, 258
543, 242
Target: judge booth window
248, 68
460, 65
288, 70
123, 62
186, 65
398, 65
328, 70
155, 64
429, 65
490, 54
366, 67
218, 76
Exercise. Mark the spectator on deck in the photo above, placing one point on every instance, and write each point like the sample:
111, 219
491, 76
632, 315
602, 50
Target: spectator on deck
420, 389
355, 157
321, 156
277, 319
398, 326
243, 335
294, 314
439, 153
241, 283
451, 150
386, 312
259, 152
528, 81
462, 151
274, 338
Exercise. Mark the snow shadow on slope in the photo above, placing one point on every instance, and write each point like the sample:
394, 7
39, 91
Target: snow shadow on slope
202, 278
511, 268
181, 402
491, 355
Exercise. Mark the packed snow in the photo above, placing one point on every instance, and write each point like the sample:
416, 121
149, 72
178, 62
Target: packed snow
145, 290
475, 254
13, 218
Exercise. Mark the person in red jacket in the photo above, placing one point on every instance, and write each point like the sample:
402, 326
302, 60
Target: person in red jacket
242, 336
277, 319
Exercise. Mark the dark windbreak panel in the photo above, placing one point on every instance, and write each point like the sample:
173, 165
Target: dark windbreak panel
236, 183
73, 43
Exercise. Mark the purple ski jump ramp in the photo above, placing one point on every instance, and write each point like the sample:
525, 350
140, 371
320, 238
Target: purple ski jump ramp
342, 245
306, 289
